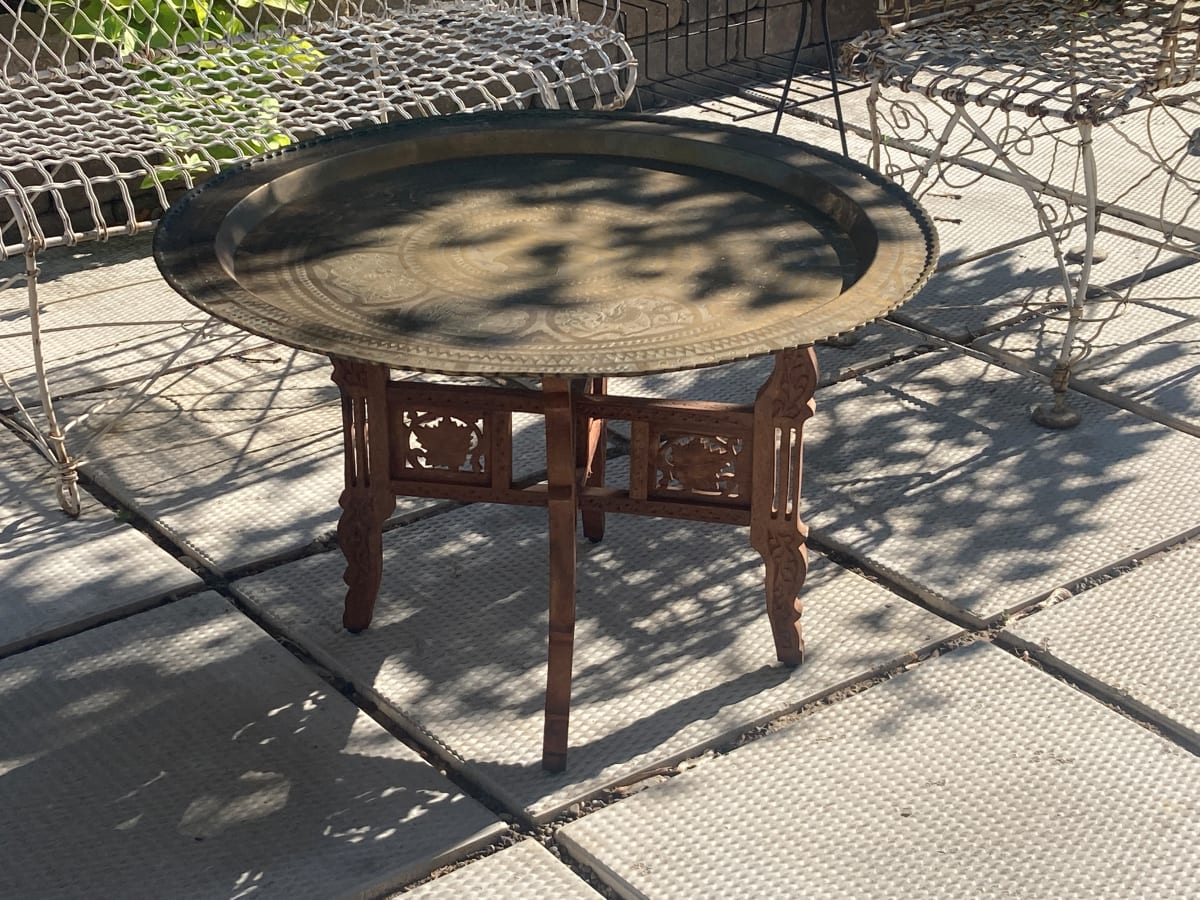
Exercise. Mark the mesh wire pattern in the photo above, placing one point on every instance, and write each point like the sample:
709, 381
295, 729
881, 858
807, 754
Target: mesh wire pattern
1076, 60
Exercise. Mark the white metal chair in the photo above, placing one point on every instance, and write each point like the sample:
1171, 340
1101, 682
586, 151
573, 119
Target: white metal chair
999, 79
108, 110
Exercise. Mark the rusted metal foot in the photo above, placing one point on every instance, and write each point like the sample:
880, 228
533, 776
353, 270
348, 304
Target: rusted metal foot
1058, 415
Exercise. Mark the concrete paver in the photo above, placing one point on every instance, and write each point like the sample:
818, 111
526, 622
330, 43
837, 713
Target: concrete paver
183, 753
245, 462
107, 318
982, 295
975, 774
1133, 637
239, 461
932, 471
673, 649
58, 574
526, 871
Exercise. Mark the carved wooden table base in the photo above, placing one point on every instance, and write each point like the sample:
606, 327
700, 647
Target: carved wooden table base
711, 462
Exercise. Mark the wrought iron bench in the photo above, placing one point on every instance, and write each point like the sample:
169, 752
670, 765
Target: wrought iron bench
1001, 74
110, 108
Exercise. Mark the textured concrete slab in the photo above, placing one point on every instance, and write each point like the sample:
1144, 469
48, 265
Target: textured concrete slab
973, 775
673, 648
985, 294
241, 461
68, 271
107, 318
526, 871
1133, 637
1144, 359
59, 575
182, 752
735, 111
931, 470
1157, 378
1008, 286
981, 217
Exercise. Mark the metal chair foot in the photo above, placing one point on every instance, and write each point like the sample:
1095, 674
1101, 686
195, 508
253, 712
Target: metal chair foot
68, 495
1078, 254
67, 476
1058, 415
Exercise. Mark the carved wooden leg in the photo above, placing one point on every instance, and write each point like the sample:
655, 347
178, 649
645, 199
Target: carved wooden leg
562, 504
590, 455
783, 404
367, 499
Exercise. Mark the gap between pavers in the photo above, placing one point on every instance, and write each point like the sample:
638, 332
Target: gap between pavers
59, 575
673, 648
1133, 638
525, 871
181, 752
931, 472
1145, 359
1011, 288
972, 774
240, 462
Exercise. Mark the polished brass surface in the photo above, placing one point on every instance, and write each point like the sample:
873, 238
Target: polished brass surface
533, 244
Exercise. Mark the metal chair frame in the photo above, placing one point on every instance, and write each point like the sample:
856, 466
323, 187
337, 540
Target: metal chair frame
998, 80
98, 135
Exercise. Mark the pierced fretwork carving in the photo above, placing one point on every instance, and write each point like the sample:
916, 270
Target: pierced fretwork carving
712, 465
439, 440
708, 462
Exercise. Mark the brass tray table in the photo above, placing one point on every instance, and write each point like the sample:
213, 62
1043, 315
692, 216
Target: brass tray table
565, 248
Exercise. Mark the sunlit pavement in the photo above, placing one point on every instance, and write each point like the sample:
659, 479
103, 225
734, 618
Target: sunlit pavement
999, 695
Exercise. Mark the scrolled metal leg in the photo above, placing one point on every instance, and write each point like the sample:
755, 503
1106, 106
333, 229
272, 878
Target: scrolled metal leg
873, 100
1060, 415
783, 404
54, 442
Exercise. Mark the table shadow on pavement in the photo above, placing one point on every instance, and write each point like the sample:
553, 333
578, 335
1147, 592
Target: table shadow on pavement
60, 574
673, 648
931, 471
181, 752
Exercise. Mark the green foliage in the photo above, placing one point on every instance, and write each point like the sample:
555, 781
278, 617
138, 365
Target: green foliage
133, 26
225, 88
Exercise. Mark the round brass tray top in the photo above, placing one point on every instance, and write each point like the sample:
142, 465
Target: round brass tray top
547, 243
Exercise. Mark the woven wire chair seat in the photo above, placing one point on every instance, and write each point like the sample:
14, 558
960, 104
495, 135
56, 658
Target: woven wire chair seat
1074, 60
126, 123
97, 138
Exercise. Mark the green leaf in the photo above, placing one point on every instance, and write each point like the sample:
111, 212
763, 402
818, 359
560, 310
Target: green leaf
221, 88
